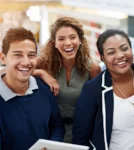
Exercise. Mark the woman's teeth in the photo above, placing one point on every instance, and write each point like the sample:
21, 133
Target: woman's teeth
68, 49
120, 63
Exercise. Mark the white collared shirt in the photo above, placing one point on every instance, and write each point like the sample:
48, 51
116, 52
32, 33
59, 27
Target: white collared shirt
7, 93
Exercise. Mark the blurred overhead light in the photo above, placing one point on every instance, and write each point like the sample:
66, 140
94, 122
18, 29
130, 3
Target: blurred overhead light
103, 13
35, 0
112, 14
34, 13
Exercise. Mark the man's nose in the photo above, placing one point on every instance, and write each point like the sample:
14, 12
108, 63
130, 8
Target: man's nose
25, 60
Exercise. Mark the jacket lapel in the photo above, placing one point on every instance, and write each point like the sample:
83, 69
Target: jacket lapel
107, 107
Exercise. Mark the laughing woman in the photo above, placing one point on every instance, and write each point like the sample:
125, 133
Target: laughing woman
105, 110
66, 57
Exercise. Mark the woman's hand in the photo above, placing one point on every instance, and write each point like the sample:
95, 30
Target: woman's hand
48, 79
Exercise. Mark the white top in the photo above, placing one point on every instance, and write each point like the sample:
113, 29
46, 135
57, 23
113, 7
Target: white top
122, 137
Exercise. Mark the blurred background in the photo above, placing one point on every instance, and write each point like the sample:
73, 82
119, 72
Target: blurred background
95, 15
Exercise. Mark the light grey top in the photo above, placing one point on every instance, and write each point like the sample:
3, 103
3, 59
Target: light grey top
7, 93
68, 95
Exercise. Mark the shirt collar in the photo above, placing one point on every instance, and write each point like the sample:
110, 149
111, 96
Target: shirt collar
7, 93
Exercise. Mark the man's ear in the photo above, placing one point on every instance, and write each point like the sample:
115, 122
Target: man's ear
3, 58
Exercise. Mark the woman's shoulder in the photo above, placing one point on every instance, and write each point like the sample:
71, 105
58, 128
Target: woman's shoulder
96, 81
95, 69
41, 63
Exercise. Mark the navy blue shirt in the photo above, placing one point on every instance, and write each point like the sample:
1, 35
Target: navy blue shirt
25, 119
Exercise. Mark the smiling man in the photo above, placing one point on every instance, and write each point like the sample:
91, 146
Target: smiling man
28, 110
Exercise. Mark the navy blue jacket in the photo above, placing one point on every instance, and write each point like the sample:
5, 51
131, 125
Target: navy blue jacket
25, 119
93, 117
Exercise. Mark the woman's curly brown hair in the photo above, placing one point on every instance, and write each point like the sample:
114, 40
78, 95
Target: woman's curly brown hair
50, 58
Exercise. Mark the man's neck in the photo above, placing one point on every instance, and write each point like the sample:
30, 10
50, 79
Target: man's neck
17, 87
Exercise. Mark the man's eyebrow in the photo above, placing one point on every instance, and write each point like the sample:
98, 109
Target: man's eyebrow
17, 51
32, 52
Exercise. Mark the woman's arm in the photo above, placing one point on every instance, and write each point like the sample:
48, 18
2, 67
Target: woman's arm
48, 79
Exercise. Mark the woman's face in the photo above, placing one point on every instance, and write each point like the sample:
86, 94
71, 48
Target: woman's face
117, 55
67, 42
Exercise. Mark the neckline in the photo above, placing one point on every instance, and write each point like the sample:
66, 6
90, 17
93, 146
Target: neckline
129, 99
123, 98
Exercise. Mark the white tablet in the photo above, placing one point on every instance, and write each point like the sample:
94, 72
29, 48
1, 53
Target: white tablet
52, 145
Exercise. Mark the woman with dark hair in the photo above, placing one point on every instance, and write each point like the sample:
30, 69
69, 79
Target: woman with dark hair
104, 116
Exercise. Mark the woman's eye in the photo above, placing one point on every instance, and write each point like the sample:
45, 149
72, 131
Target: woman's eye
110, 53
60, 39
73, 37
125, 49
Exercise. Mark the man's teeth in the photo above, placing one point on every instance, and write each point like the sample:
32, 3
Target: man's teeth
23, 69
68, 49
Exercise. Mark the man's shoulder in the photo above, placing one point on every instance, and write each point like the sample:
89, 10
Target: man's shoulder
41, 84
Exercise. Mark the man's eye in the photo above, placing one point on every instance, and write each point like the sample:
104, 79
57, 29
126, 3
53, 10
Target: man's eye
18, 55
32, 56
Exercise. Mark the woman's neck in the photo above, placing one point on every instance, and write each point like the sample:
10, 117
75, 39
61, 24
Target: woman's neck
123, 77
68, 64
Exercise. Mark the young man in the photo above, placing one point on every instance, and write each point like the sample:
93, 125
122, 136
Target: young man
28, 110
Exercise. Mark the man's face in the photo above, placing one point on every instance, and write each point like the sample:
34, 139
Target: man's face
20, 60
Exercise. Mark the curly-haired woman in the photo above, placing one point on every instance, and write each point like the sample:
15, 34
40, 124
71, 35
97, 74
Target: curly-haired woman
67, 58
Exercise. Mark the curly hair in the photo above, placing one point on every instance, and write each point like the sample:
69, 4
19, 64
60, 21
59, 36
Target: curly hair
50, 57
